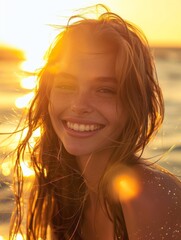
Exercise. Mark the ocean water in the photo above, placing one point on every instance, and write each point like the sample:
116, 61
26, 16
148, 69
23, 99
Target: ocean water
168, 140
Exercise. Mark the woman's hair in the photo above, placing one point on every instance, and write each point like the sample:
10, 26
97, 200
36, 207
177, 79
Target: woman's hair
59, 193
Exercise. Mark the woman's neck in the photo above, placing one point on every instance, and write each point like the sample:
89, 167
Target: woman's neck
92, 168
96, 223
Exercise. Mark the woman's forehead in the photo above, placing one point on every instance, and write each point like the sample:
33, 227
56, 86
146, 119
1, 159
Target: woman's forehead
87, 41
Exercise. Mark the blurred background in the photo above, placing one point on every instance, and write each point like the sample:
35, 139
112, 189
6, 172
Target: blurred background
25, 34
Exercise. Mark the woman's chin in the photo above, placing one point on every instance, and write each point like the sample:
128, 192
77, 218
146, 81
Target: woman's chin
77, 152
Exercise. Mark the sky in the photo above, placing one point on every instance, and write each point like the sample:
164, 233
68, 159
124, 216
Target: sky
25, 23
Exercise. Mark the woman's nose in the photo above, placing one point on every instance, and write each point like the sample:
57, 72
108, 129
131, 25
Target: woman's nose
81, 103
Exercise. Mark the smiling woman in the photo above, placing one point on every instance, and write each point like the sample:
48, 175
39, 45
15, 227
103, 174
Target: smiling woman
90, 84
97, 105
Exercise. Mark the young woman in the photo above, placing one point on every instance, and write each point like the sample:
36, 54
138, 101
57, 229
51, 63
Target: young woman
98, 104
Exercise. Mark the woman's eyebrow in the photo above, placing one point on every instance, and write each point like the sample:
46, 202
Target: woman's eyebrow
99, 79
105, 79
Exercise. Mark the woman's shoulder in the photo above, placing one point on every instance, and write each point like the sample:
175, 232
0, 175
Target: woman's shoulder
158, 186
156, 177
145, 179
155, 212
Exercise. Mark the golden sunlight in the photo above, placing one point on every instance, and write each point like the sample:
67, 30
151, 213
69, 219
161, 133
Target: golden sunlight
27, 170
28, 82
19, 237
23, 101
33, 29
36, 133
126, 186
6, 168
33, 62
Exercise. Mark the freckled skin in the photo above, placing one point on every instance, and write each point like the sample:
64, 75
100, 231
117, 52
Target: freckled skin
85, 91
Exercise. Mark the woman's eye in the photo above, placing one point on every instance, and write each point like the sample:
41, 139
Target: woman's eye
65, 87
107, 91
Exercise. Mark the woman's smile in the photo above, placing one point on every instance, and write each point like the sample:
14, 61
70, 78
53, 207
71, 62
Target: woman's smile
82, 127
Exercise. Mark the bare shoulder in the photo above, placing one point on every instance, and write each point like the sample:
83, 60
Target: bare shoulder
155, 213
157, 178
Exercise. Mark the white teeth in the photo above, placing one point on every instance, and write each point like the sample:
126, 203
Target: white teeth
75, 126
82, 127
92, 127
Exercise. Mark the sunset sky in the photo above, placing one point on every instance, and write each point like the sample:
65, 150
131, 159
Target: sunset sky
24, 23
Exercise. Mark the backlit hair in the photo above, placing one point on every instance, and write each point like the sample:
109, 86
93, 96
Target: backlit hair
59, 192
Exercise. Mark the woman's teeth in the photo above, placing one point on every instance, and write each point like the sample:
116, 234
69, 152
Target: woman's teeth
83, 127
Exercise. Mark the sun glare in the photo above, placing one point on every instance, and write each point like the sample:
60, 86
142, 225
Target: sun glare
36, 133
6, 168
28, 82
27, 170
23, 101
126, 186
19, 236
33, 62
33, 29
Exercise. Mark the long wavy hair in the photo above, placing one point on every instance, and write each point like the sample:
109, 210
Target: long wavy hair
58, 194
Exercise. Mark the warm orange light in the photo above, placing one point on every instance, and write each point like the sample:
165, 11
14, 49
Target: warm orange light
37, 133
6, 169
19, 237
23, 101
27, 170
126, 186
33, 62
28, 82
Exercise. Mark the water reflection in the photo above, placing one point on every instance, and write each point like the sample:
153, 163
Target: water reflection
23, 101
17, 80
28, 82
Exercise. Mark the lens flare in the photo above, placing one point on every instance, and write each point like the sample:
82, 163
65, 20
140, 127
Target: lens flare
126, 186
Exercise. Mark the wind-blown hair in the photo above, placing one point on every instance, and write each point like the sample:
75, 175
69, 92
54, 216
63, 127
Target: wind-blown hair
58, 194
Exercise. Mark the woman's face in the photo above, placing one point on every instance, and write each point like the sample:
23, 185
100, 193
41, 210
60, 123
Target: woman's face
84, 109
